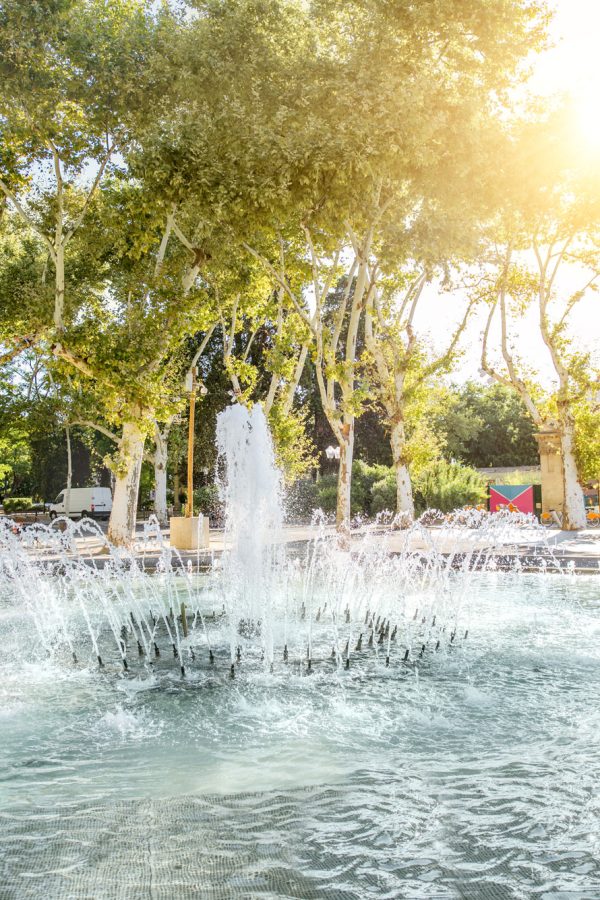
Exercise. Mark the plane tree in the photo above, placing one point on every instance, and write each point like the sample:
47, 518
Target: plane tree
389, 156
543, 260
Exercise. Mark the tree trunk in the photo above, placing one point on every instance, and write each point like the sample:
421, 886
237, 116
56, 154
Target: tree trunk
121, 527
59, 296
176, 492
404, 494
343, 511
574, 503
160, 490
160, 476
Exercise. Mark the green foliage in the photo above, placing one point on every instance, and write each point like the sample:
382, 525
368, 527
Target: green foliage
587, 440
305, 496
326, 495
15, 458
17, 504
487, 426
234, 127
447, 486
384, 494
208, 503
364, 477
301, 499
293, 447
441, 485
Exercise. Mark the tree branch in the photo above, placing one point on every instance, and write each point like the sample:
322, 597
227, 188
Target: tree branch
90, 194
85, 423
76, 361
27, 218
22, 343
283, 284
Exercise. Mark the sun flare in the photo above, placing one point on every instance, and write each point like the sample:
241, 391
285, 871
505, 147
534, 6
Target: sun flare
572, 66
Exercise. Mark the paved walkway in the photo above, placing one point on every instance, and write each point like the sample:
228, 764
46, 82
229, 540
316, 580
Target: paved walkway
580, 549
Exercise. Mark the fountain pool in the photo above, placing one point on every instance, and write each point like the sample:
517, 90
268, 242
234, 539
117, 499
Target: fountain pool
470, 772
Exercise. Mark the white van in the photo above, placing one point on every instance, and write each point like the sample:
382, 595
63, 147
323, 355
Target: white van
95, 502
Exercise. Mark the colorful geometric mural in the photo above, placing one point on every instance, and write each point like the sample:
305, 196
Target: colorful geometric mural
516, 497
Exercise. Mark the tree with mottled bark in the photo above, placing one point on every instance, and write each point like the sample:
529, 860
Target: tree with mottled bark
400, 366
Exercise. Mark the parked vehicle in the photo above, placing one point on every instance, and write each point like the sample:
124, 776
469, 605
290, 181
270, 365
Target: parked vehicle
95, 502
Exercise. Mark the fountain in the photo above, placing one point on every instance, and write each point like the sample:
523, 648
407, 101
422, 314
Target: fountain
412, 715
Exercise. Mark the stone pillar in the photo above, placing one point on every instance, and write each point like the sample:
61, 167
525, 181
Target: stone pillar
553, 484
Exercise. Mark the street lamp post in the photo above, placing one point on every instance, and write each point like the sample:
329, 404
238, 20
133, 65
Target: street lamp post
187, 532
193, 387
332, 452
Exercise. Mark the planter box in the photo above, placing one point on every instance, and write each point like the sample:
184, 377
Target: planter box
189, 534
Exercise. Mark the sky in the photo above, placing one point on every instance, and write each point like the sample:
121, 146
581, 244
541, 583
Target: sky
571, 64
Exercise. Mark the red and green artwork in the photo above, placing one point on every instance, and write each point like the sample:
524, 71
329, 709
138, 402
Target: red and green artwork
514, 497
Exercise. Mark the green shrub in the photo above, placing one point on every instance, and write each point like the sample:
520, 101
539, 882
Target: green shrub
383, 494
327, 494
301, 498
305, 495
208, 503
441, 485
447, 486
364, 478
17, 504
